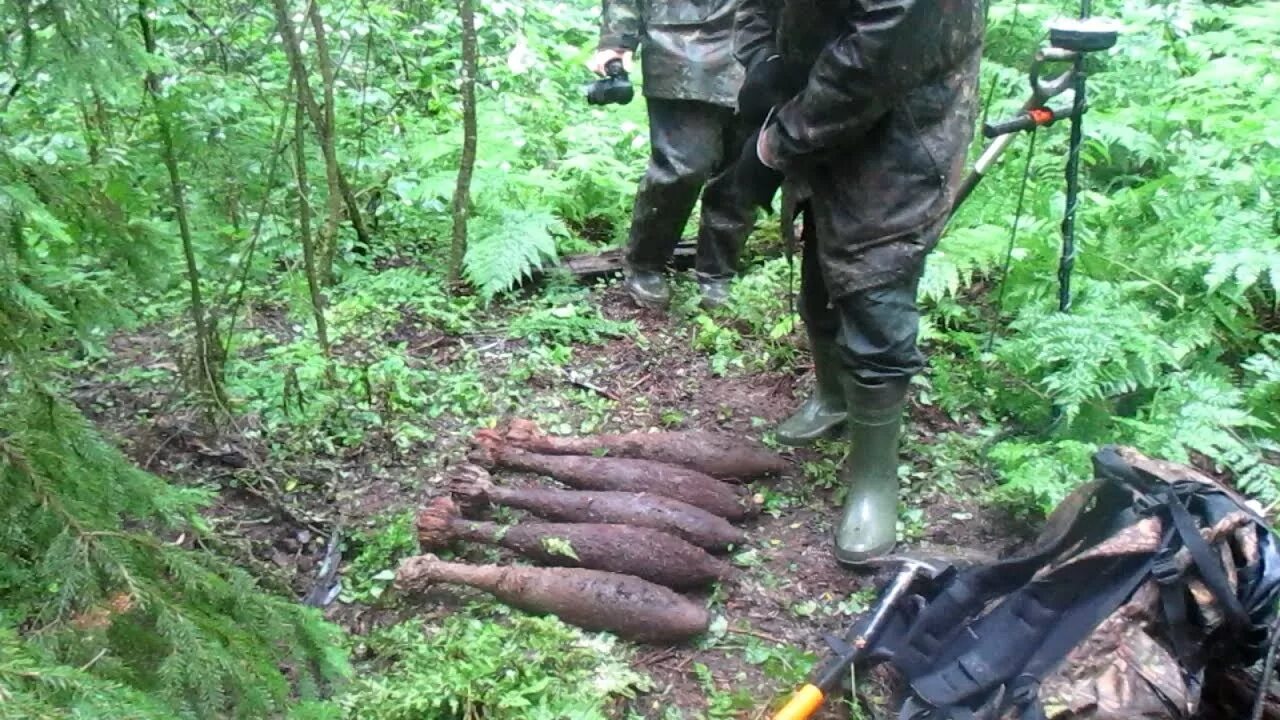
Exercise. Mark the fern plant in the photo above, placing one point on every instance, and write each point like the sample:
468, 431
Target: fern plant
1176, 279
508, 246
514, 668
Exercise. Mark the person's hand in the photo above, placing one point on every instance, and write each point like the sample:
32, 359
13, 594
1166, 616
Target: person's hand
762, 89
755, 180
604, 55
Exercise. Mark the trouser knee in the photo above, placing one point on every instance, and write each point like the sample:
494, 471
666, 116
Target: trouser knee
878, 330
821, 319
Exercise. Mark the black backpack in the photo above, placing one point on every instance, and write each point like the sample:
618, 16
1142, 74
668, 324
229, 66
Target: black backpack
1139, 581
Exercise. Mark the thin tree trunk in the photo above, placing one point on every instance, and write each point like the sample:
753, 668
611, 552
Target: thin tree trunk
208, 366
277, 151
100, 117
90, 135
293, 49
304, 228
328, 247
462, 192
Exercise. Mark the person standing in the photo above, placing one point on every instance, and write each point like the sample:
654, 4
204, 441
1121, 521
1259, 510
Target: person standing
690, 82
866, 109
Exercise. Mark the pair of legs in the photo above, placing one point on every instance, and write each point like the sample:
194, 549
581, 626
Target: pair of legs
864, 354
692, 148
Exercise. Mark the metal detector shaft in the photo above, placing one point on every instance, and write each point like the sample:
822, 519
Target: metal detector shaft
1068, 258
980, 168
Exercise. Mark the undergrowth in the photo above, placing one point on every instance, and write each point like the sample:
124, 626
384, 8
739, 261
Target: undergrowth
112, 602
493, 663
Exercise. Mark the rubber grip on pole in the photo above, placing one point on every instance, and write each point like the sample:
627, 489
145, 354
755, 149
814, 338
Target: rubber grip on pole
802, 705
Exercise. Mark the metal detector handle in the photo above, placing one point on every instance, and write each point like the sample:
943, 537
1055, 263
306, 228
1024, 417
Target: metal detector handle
1043, 88
989, 156
1029, 120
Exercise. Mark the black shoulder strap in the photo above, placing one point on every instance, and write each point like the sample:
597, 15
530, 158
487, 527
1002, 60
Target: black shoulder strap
918, 648
1207, 563
1030, 633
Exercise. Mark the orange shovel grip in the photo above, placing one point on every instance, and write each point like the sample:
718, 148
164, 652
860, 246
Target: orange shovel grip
802, 705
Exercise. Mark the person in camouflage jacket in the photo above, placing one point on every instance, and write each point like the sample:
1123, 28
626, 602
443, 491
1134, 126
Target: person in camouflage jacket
866, 108
690, 83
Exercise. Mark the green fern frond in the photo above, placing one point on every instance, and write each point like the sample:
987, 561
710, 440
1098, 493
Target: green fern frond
963, 253
1208, 415
510, 246
1096, 353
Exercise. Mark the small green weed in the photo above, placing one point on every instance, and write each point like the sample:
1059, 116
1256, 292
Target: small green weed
373, 569
785, 664
722, 343
568, 324
722, 704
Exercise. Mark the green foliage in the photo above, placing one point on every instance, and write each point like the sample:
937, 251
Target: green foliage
380, 550
508, 246
35, 686
110, 603
1040, 474
559, 546
97, 577
569, 324
723, 704
475, 665
1166, 344
756, 329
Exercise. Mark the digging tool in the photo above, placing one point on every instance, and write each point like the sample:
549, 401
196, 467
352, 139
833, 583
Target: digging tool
857, 642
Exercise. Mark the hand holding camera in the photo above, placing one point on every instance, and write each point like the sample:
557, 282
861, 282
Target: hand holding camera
614, 88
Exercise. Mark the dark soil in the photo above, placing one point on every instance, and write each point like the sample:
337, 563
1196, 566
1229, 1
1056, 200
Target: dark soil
278, 509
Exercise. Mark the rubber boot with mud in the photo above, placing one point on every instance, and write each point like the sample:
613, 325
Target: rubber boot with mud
823, 412
868, 524
714, 290
646, 287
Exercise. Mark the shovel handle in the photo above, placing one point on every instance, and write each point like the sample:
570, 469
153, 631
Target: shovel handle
827, 677
802, 705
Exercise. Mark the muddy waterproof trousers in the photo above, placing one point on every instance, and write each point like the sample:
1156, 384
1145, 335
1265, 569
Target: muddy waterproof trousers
692, 148
874, 330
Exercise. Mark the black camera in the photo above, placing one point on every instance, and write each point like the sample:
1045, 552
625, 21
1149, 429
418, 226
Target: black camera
613, 89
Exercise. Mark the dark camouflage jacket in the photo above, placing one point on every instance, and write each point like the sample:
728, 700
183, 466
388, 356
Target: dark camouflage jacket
876, 133
685, 46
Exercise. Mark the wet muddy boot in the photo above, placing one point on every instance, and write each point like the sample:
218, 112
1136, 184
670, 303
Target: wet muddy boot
715, 291
868, 524
647, 288
823, 412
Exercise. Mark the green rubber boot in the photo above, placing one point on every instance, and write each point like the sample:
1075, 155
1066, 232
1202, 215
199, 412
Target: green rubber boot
823, 412
868, 524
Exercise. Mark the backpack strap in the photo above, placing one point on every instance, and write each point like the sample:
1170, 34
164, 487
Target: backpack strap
1028, 635
1206, 562
918, 648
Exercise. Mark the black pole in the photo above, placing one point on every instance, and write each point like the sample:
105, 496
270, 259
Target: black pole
1068, 260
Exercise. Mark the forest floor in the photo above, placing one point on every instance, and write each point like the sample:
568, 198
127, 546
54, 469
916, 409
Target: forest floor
278, 506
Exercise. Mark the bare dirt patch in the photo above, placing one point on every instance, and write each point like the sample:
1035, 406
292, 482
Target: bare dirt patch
278, 509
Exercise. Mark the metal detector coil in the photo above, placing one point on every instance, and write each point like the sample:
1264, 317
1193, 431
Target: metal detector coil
1084, 36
